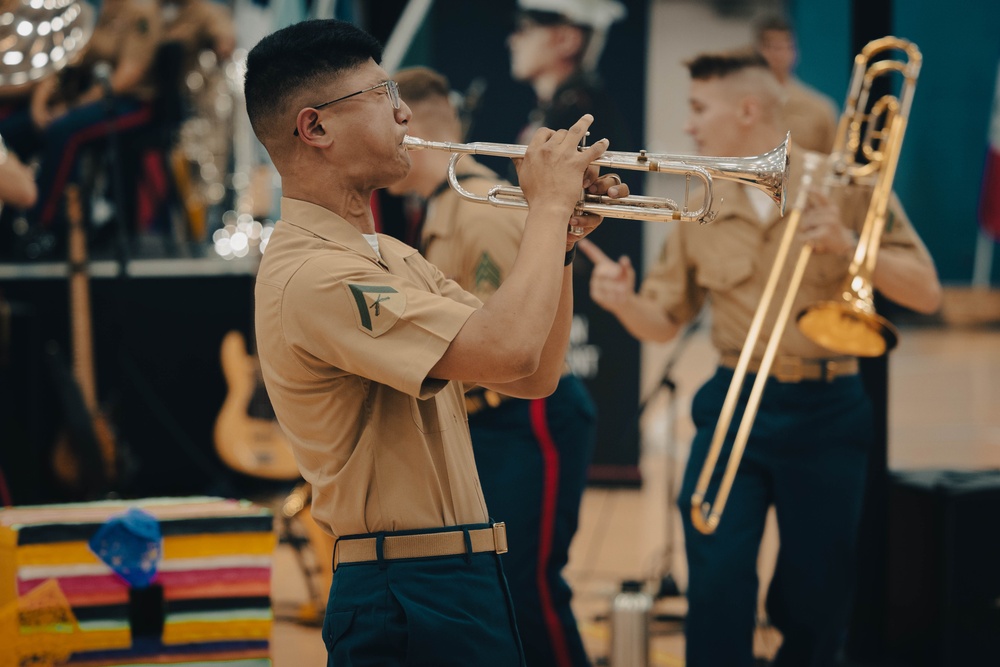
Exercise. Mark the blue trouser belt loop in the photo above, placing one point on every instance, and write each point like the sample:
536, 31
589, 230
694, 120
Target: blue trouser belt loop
379, 551
468, 545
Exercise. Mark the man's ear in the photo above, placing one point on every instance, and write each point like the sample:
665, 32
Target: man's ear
311, 130
748, 110
567, 41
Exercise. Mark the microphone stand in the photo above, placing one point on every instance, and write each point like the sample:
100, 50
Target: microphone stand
102, 72
668, 586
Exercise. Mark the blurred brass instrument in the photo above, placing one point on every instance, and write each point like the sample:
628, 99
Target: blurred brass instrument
767, 172
849, 326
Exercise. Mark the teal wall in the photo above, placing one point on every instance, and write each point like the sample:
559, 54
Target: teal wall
824, 35
940, 171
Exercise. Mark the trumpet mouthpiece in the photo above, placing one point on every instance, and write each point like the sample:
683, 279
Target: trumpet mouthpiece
413, 143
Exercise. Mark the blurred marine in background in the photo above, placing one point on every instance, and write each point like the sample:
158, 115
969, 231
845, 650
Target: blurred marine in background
555, 48
532, 455
810, 115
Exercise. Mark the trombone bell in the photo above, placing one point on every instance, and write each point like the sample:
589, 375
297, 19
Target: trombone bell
846, 328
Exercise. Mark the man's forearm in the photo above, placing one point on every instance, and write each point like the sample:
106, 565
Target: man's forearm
503, 341
554, 351
645, 320
553, 358
905, 279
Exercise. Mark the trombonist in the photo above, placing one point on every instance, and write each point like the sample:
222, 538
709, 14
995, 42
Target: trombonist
807, 451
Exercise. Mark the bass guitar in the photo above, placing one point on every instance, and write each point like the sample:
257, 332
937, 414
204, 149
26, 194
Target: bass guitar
248, 438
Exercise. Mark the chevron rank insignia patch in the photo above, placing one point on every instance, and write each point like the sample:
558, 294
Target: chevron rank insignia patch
378, 307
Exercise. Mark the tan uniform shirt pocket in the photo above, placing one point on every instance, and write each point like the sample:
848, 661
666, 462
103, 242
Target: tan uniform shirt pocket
725, 274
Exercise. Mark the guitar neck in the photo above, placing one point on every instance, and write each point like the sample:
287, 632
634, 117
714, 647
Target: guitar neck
79, 287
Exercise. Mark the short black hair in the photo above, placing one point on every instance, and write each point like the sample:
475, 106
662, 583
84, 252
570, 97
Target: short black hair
297, 57
769, 22
712, 65
420, 83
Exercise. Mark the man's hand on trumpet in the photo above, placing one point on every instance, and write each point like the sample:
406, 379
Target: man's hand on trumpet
582, 224
553, 166
550, 171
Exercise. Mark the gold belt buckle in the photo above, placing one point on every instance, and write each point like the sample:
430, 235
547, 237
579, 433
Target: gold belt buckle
789, 369
500, 537
832, 369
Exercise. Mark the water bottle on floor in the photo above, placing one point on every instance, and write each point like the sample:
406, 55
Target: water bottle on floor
630, 615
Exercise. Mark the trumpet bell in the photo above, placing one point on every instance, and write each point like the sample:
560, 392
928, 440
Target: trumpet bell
845, 329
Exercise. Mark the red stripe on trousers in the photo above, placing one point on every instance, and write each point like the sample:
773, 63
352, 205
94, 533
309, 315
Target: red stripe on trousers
125, 122
550, 491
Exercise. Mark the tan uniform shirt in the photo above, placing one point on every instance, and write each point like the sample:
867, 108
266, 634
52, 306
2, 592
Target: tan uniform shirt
730, 259
345, 342
127, 31
810, 117
472, 244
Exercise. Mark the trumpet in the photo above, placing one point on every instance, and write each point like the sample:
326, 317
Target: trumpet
767, 172
849, 325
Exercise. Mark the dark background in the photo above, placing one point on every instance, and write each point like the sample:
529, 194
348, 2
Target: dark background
156, 348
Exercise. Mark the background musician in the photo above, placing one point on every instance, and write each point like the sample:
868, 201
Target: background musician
554, 48
807, 450
73, 108
532, 456
809, 114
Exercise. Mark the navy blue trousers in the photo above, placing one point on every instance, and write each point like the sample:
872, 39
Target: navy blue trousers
447, 611
532, 458
807, 456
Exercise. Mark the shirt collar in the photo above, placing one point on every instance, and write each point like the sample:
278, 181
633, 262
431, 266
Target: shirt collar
325, 224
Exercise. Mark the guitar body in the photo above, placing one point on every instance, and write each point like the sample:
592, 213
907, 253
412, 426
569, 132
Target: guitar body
66, 459
248, 438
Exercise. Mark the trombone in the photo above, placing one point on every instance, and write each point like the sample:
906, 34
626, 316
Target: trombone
849, 326
767, 172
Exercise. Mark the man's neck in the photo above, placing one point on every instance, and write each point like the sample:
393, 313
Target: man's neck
547, 83
352, 206
761, 142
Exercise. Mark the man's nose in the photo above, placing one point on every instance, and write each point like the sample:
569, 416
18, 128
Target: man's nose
403, 113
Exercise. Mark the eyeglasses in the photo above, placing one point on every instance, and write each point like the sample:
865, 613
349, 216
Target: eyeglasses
390, 87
